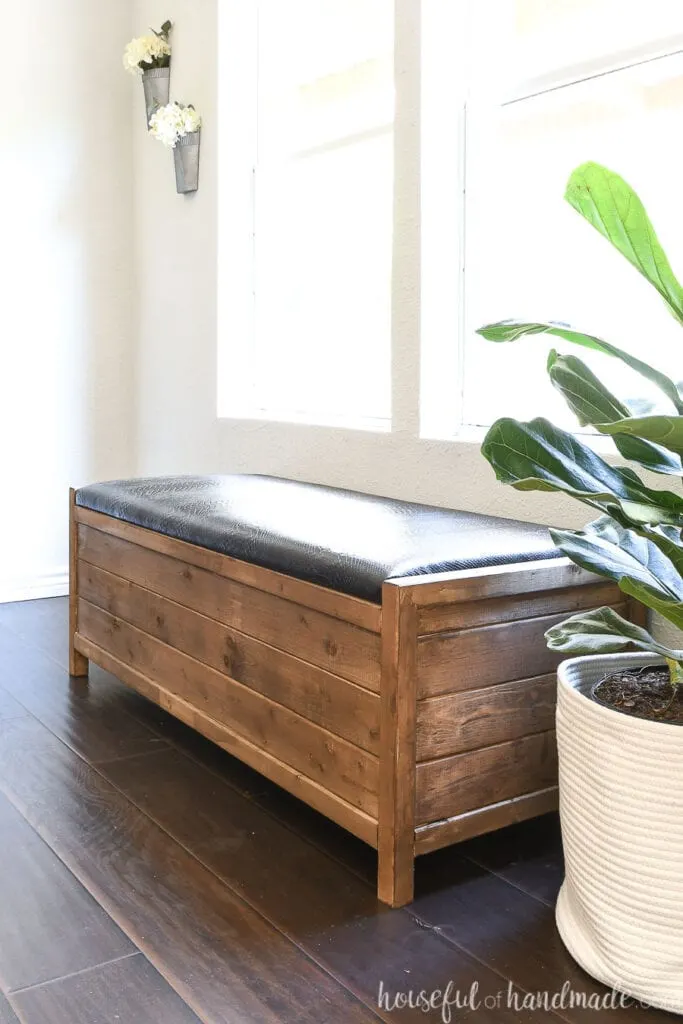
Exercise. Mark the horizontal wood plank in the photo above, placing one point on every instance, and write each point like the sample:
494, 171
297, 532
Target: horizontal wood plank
330, 761
485, 819
317, 796
471, 659
320, 639
456, 722
453, 785
464, 615
495, 581
346, 607
336, 704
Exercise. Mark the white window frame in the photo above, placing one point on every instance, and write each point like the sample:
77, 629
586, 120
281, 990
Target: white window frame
430, 148
237, 77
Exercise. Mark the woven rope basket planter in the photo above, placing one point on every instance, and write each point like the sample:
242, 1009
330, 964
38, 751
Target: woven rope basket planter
620, 909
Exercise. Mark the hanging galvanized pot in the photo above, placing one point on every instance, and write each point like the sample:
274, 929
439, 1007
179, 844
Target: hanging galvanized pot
186, 157
157, 86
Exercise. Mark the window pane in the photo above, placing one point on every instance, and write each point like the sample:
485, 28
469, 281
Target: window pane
530, 255
323, 209
518, 40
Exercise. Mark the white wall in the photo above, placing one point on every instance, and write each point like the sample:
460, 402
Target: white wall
178, 430
66, 388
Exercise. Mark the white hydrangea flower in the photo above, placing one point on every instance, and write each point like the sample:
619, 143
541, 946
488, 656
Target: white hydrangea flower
173, 122
145, 50
191, 121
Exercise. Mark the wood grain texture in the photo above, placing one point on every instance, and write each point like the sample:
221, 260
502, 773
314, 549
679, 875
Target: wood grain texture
332, 762
467, 585
311, 897
8, 1016
452, 785
325, 641
92, 726
336, 704
340, 606
221, 957
40, 901
475, 658
350, 817
78, 665
528, 855
482, 820
127, 991
317, 890
568, 600
526, 949
456, 722
396, 830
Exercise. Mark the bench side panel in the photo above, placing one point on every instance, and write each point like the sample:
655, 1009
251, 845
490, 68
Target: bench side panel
286, 688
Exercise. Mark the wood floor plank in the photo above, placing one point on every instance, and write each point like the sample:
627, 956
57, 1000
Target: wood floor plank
9, 707
313, 899
129, 991
42, 624
221, 957
266, 858
49, 924
7, 1014
528, 855
69, 707
511, 932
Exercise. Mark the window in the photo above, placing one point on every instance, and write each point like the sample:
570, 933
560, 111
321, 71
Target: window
320, 153
601, 81
307, 206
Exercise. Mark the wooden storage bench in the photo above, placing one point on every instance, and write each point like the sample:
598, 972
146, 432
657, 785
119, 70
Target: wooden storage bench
306, 631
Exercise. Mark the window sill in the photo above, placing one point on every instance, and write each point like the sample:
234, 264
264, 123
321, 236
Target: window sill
370, 424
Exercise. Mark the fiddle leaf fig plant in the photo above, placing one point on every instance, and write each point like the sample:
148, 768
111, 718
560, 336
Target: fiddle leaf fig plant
636, 541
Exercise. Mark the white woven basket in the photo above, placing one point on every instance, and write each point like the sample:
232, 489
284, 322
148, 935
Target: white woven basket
620, 909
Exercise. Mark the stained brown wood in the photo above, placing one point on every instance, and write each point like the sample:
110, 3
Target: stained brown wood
350, 817
97, 729
317, 892
443, 617
474, 658
528, 950
495, 581
40, 900
332, 762
128, 990
220, 956
340, 606
78, 665
528, 855
7, 1014
456, 722
339, 647
396, 831
311, 897
328, 700
478, 822
452, 785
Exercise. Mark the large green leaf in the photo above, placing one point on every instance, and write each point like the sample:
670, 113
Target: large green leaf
666, 431
613, 208
637, 565
668, 539
604, 631
593, 404
537, 456
511, 330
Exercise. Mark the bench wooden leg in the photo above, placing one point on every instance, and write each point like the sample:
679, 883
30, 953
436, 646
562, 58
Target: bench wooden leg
78, 663
396, 832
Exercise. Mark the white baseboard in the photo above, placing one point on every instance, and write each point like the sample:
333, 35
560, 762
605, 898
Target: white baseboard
31, 588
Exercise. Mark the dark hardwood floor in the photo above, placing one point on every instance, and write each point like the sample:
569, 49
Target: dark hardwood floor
146, 876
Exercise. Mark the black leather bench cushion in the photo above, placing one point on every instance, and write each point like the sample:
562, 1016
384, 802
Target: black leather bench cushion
340, 539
